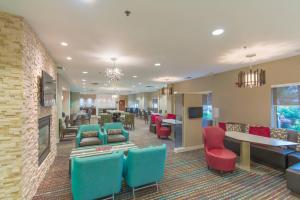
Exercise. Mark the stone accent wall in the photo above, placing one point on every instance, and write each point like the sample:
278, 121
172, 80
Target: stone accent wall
11, 103
22, 59
35, 60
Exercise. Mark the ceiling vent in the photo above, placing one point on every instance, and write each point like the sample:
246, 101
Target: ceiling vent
149, 86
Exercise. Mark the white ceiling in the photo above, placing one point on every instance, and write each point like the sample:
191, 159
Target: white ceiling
175, 33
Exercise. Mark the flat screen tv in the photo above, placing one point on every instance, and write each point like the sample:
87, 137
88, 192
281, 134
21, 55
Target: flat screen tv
195, 112
48, 90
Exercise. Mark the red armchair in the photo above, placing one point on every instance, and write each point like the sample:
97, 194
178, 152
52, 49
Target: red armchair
217, 156
161, 130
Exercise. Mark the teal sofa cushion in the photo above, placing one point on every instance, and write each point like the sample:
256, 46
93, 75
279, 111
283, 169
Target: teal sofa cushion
96, 176
145, 166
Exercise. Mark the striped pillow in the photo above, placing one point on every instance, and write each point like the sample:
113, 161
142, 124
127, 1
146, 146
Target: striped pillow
88, 134
114, 131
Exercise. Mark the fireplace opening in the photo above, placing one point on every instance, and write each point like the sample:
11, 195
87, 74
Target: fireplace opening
44, 138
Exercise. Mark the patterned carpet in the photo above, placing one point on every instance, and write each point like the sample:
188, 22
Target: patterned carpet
186, 177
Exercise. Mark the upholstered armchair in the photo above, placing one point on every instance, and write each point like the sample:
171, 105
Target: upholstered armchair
129, 120
63, 130
105, 118
162, 131
115, 132
144, 166
89, 135
95, 177
216, 155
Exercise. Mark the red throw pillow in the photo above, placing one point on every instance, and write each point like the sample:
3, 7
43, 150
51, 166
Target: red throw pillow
260, 130
222, 125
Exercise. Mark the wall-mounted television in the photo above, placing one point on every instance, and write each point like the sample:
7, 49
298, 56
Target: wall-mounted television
48, 90
195, 112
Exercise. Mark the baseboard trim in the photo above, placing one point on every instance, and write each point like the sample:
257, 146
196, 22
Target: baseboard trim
185, 149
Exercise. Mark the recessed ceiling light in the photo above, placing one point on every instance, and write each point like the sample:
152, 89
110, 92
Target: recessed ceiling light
64, 44
157, 64
83, 80
69, 58
84, 72
134, 76
218, 32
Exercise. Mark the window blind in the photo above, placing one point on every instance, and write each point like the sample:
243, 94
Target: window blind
286, 96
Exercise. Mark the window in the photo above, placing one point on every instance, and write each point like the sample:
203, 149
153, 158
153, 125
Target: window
207, 118
154, 103
286, 107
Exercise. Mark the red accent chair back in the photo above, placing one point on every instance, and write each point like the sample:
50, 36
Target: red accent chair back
222, 125
217, 156
161, 131
171, 116
260, 131
153, 117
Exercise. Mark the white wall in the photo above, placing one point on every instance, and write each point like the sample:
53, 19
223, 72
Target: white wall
105, 101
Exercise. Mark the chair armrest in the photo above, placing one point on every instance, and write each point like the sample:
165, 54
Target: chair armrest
125, 133
102, 137
78, 138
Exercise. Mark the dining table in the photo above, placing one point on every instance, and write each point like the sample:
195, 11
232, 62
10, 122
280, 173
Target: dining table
245, 141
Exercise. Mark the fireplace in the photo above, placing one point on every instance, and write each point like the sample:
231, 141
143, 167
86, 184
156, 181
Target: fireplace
44, 138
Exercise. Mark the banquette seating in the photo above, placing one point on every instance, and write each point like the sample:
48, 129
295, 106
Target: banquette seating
277, 157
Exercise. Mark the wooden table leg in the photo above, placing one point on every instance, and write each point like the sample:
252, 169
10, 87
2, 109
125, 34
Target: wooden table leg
245, 156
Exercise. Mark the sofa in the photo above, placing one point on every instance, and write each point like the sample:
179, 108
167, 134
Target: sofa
144, 166
96, 176
89, 135
276, 157
115, 132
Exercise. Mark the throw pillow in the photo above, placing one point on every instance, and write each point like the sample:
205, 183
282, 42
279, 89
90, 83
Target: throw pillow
279, 133
233, 127
87, 134
114, 131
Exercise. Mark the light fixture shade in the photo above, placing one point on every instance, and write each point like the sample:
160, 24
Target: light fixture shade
167, 91
251, 79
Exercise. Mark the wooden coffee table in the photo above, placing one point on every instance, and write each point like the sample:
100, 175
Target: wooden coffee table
98, 150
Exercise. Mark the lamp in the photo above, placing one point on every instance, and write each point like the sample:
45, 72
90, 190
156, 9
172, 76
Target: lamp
252, 78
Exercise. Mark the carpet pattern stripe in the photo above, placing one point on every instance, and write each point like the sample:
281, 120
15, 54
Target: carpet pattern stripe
186, 177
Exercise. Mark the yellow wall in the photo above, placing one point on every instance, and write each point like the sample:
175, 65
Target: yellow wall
244, 104
192, 134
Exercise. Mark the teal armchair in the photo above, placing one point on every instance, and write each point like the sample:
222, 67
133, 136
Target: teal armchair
95, 177
94, 140
144, 166
123, 136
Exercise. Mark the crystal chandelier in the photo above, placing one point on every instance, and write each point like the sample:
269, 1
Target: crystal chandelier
113, 74
252, 78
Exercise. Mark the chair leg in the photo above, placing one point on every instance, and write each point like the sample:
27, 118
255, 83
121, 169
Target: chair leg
156, 186
133, 193
113, 196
